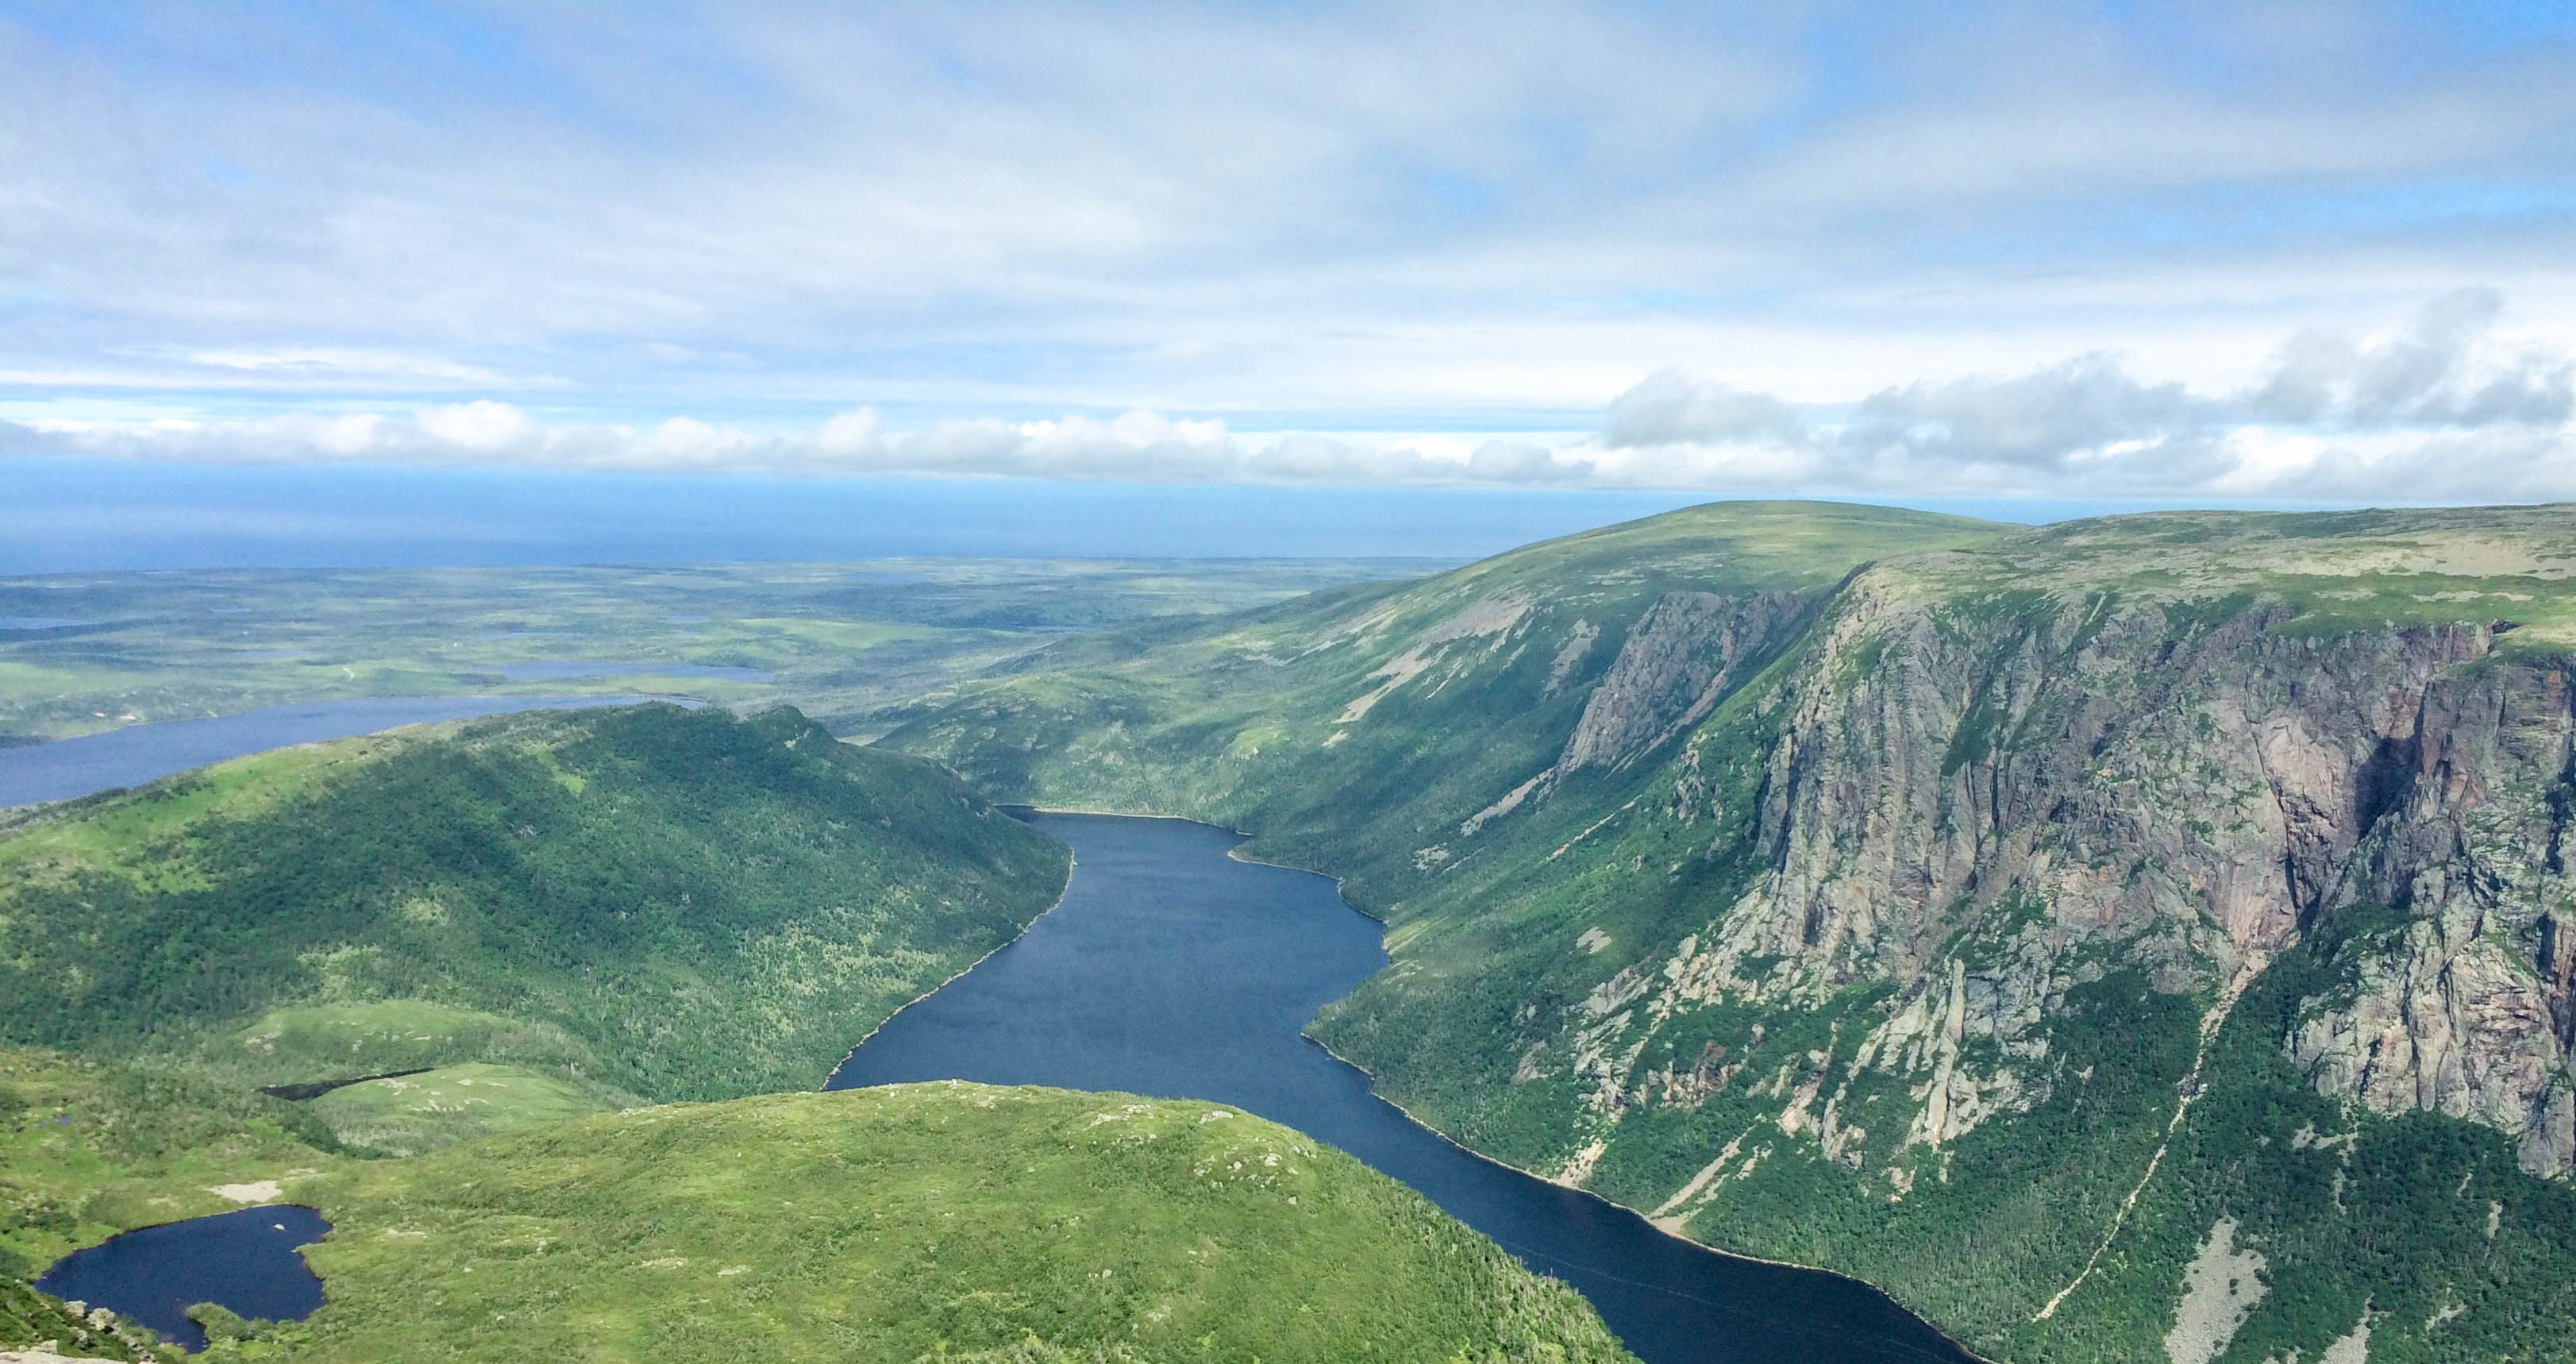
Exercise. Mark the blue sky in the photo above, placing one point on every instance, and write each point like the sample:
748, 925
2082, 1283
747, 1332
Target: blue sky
2176, 251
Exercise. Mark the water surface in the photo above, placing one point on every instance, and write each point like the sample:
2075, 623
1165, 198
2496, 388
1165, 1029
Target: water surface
245, 1260
1175, 971
588, 667
140, 753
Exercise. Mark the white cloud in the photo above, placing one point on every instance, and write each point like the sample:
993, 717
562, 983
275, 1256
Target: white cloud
309, 364
2445, 408
1672, 408
2442, 405
484, 426
1332, 214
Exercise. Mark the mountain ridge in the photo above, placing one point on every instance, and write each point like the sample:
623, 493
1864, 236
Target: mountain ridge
1960, 864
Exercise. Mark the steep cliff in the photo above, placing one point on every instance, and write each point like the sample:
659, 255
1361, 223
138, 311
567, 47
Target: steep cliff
1993, 914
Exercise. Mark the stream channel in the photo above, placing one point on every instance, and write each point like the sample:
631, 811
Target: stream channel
1176, 971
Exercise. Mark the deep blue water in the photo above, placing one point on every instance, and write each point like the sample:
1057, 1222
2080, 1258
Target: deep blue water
139, 753
1176, 971
15, 623
245, 1260
557, 672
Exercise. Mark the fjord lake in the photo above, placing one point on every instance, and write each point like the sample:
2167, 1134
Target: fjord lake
1174, 970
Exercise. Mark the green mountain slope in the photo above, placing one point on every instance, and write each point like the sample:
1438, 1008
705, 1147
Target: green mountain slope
650, 901
946, 1221
30, 1320
2054, 926
90, 1147
1369, 719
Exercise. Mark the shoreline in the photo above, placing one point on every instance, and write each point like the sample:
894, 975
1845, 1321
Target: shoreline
1071, 865
1236, 853
1659, 1229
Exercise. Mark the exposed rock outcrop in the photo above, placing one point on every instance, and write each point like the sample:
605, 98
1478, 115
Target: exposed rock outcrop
1681, 657
1856, 876
2189, 794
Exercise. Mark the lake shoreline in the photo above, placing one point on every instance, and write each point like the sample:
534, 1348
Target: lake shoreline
1072, 864
1173, 977
1381, 1096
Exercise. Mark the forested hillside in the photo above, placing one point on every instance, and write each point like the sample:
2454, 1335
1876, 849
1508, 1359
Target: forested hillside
558, 914
550, 914
2055, 926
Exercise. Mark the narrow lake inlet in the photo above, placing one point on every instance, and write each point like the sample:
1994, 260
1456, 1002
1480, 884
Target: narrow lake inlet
1175, 971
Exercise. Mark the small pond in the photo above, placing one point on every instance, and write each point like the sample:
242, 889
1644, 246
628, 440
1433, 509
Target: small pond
246, 1260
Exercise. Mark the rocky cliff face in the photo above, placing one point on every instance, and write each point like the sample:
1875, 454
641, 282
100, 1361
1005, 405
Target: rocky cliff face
2465, 1009
1682, 657
2160, 784
2185, 796
1908, 921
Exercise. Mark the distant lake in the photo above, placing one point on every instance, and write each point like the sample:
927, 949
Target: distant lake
245, 1260
140, 753
40, 623
1173, 970
557, 672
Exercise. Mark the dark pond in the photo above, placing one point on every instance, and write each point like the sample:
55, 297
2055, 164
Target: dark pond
557, 672
1175, 971
139, 753
245, 1260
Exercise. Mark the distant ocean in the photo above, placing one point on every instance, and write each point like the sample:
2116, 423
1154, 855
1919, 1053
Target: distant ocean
62, 515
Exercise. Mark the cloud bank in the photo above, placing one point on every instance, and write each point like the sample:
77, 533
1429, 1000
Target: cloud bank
2443, 409
1333, 215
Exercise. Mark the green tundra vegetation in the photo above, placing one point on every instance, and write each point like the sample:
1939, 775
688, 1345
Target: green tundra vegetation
942, 1221
29, 1318
405, 1115
918, 1221
90, 1147
2054, 926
